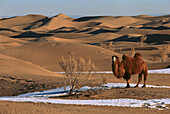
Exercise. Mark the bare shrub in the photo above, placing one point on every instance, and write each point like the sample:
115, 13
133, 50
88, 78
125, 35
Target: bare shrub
77, 72
164, 52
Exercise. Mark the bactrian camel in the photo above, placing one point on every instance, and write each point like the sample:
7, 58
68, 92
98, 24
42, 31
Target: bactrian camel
129, 66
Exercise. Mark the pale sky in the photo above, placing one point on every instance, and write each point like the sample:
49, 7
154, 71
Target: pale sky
83, 7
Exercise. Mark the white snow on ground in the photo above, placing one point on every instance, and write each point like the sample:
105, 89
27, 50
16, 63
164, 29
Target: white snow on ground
122, 85
48, 93
61, 92
158, 71
42, 97
35, 97
159, 104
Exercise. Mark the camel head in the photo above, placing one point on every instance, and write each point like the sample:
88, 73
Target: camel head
117, 67
115, 59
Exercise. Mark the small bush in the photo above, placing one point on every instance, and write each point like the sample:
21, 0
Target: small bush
77, 72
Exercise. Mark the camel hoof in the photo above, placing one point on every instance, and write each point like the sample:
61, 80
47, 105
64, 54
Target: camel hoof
127, 86
144, 86
136, 86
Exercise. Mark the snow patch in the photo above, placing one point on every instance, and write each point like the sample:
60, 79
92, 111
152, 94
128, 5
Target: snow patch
160, 71
42, 97
159, 104
61, 92
122, 85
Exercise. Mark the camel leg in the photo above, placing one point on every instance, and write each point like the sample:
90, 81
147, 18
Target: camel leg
127, 86
145, 78
127, 76
139, 79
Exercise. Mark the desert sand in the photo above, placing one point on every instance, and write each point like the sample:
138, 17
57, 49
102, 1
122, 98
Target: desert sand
31, 48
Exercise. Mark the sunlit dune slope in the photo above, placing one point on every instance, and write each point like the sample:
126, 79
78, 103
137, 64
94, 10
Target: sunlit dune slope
7, 42
16, 67
48, 55
20, 22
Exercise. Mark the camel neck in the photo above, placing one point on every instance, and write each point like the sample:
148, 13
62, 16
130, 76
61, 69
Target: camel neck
115, 68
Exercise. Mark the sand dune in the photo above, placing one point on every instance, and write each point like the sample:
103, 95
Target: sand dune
48, 54
123, 21
8, 39
109, 21
16, 67
80, 38
9, 32
20, 22
62, 20
129, 38
101, 37
92, 18
7, 42
138, 31
63, 16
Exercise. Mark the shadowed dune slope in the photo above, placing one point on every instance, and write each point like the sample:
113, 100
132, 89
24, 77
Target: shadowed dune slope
157, 38
92, 18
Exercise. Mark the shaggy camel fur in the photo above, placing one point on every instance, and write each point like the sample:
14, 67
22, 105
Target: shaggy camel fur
128, 67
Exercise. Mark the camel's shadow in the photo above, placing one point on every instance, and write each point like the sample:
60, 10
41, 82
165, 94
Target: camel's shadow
119, 86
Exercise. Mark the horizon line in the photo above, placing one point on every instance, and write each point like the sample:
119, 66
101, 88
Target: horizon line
78, 16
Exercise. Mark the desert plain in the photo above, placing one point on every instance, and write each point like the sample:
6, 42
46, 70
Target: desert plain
32, 46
